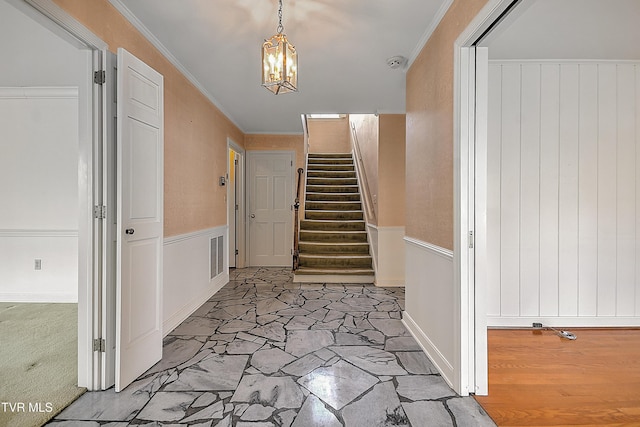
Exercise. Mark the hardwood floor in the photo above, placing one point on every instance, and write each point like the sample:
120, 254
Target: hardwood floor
538, 379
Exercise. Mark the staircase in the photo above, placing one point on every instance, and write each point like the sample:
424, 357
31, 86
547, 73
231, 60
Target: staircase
333, 237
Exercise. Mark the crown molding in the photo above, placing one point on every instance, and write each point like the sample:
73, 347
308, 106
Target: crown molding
428, 32
129, 16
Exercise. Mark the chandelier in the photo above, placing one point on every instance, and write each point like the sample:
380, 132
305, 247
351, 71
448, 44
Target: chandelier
279, 61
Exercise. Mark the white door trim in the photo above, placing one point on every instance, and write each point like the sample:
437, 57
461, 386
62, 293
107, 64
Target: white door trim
54, 17
471, 347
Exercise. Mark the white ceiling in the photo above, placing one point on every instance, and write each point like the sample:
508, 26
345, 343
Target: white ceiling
569, 29
342, 48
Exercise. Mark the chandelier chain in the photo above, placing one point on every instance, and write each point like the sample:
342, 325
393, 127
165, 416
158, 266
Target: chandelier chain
280, 26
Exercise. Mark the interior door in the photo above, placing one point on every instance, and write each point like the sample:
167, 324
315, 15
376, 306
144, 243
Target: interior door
140, 145
270, 208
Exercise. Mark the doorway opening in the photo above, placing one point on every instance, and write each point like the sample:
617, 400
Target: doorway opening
235, 204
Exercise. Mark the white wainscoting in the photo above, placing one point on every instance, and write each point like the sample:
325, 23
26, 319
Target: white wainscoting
56, 281
563, 208
390, 256
187, 274
429, 304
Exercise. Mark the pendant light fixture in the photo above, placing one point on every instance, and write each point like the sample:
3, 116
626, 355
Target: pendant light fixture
279, 61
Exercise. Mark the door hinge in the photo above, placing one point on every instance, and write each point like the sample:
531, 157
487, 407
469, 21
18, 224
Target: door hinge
471, 242
99, 77
99, 345
100, 212
237, 207
291, 162
236, 252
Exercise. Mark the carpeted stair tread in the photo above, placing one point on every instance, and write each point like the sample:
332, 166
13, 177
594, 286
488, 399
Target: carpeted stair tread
332, 236
330, 174
316, 248
332, 155
333, 189
336, 197
333, 206
339, 271
329, 225
334, 215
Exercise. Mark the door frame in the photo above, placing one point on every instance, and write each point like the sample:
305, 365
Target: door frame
91, 256
240, 200
469, 130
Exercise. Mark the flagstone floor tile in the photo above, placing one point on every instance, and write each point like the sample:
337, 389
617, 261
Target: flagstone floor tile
264, 351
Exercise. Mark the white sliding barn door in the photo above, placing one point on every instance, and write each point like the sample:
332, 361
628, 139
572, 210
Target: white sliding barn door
140, 218
563, 192
270, 192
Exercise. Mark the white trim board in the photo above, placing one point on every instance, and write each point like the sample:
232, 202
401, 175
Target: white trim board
445, 253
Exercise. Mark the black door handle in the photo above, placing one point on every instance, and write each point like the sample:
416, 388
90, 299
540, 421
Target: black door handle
129, 231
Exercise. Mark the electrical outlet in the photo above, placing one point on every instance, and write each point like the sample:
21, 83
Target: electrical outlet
537, 325
37, 264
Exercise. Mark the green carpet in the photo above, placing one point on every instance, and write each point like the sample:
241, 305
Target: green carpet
38, 362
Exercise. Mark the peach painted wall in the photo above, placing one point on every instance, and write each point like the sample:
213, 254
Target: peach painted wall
429, 156
196, 132
270, 142
329, 135
391, 170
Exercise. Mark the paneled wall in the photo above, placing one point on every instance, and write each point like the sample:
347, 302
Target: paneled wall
563, 219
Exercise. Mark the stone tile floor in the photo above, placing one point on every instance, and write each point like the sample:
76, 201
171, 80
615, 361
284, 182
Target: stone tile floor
264, 351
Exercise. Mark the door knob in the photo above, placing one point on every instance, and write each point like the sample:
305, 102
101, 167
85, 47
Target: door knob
253, 215
129, 231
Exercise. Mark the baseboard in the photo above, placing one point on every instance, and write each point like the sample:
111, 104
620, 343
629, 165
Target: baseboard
181, 315
387, 282
562, 321
25, 297
438, 359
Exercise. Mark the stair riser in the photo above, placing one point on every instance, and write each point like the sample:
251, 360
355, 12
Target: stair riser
332, 225
331, 174
330, 168
332, 189
316, 249
326, 161
336, 237
330, 155
333, 206
332, 181
352, 197
330, 262
333, 215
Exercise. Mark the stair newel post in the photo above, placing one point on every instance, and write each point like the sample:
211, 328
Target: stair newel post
296, 221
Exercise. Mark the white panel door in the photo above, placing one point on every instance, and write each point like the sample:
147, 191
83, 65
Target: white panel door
140, 218
270, 203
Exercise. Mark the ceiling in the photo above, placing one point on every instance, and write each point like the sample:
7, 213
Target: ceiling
342, 47
569, 29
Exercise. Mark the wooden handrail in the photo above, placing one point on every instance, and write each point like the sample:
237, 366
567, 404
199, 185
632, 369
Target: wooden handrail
296, 221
